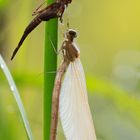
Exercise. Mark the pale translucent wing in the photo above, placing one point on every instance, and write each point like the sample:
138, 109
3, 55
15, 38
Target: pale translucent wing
74, 109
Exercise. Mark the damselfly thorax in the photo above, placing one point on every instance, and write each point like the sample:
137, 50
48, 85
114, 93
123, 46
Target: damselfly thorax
69, 49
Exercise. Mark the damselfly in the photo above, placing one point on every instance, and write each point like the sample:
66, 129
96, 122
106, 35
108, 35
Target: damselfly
71, 99
54, 10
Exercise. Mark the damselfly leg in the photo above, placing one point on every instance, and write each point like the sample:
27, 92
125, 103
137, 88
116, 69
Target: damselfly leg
52, 44
38, 10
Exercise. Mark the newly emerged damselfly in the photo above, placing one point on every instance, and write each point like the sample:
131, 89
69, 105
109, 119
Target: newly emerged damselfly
71, 98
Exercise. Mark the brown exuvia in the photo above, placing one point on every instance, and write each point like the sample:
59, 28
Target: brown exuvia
54, 10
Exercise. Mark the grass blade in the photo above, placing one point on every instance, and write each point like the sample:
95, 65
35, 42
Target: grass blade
17, 97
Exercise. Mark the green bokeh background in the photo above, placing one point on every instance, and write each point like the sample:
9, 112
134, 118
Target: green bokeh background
109, 40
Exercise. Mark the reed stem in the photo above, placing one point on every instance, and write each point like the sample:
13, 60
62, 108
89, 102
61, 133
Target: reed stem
50, 65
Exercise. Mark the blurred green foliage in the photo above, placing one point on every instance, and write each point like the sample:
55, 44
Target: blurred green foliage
3, 3
110, 52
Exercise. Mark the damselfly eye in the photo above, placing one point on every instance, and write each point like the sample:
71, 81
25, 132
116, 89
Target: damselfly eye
69, 1
72, 33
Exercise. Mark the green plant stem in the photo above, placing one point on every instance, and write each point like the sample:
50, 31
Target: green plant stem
50, 65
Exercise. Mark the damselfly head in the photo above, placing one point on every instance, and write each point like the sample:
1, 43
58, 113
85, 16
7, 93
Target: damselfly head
64, 1
69, 1
71, 34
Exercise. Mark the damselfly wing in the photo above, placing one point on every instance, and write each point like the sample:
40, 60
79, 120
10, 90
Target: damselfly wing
74, 108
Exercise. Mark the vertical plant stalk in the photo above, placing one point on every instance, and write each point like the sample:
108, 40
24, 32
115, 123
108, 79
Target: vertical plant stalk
50, 64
